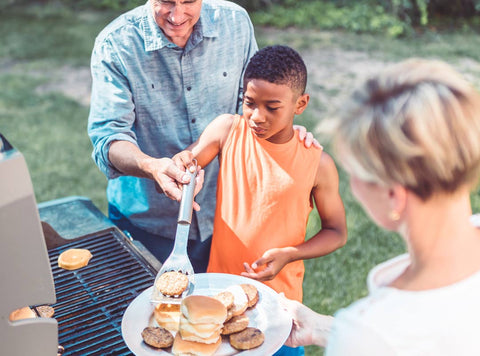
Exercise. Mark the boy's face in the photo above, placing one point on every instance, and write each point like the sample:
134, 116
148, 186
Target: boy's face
270, 108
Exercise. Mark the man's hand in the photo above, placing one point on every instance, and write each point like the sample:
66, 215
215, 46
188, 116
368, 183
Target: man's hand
306, 137
170, 178
273, 260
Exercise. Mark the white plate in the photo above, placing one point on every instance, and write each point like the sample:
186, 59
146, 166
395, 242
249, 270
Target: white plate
268, 316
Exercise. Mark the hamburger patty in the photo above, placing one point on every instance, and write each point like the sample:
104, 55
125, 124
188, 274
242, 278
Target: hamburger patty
157, 337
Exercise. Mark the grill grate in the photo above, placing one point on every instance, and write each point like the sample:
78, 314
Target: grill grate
91, 300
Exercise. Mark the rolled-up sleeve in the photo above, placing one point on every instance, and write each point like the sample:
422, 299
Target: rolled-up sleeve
251, 48
112, 112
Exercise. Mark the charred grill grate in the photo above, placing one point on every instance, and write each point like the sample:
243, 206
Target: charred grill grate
91, 300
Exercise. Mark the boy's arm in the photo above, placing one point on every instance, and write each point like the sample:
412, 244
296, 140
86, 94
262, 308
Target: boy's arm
325, 192
209, 144
332, 236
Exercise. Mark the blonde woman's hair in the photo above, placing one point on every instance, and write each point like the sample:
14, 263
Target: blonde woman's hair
417, 124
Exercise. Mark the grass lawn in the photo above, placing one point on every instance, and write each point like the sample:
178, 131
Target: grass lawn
50, 128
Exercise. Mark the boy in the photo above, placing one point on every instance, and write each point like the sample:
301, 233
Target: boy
268, 180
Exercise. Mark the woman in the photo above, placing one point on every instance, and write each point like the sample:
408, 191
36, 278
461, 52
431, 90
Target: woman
410, 140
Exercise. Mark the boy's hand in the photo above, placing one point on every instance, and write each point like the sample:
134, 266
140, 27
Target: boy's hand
184, 160
306, 137
273, 260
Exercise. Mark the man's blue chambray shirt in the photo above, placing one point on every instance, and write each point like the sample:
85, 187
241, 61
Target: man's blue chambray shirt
150, 92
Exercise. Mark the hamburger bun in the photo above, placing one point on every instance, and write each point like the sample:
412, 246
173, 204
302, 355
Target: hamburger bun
200, 309
74, 258
202, 319
184, 347
167, 316
240, 300
188, 335
22, 313
201, 330
252, 294
226, 298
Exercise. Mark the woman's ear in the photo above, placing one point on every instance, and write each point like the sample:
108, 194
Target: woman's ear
397, 196
301, 103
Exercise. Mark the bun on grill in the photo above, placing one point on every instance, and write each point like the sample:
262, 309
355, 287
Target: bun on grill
74, 258
22, 313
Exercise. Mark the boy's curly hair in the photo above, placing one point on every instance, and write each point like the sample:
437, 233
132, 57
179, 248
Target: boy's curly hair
279, 65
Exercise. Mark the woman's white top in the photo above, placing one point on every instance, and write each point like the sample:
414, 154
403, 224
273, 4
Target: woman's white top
389, 321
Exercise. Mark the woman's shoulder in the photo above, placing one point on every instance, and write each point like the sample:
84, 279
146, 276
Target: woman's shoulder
412, 320
386, 272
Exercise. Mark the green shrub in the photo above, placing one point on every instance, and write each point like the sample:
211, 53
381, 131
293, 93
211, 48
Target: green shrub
357, 17
392, 17
116, 5
107, 4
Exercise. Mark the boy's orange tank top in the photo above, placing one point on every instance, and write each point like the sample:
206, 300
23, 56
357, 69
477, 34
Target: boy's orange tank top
263, 202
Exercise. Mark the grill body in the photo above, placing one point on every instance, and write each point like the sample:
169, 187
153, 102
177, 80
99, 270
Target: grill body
91, 300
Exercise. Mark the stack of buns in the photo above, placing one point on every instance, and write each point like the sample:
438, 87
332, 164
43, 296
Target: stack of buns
200, 321
200, 327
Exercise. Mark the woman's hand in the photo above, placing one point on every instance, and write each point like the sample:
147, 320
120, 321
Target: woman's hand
308, 327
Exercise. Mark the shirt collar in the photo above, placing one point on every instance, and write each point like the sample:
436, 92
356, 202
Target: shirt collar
155, 39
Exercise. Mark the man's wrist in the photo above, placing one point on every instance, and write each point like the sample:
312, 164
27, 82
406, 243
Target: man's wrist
148, 166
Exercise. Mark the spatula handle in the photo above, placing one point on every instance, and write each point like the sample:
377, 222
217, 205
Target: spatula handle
186, 205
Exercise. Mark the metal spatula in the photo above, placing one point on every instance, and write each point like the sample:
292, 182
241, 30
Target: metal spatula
178, 260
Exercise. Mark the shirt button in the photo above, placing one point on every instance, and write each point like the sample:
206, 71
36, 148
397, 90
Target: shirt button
193, 121
189, 88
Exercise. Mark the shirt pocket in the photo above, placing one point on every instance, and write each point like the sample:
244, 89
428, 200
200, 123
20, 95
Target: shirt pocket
158, 99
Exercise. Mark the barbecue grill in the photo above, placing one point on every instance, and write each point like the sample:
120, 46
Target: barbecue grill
90, 301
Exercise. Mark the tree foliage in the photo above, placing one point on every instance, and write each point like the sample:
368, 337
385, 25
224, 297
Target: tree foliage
394, 17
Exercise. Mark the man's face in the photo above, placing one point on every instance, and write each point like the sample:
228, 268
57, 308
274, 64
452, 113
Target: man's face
176, 18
